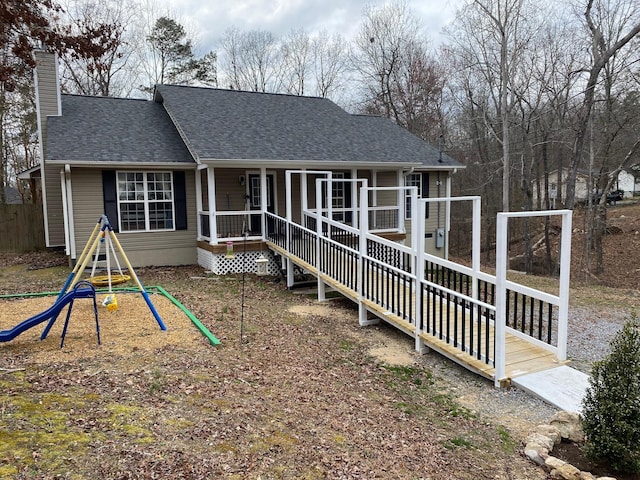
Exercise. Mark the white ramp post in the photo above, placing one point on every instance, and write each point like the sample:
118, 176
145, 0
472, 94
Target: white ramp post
418, 247
363, 313
502, 224
321, 286
563, 296
288, 189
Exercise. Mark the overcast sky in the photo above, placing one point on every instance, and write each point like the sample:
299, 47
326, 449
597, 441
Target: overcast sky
212, 17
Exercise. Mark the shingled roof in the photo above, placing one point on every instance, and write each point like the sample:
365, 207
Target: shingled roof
113, 130
183, 123
235, 125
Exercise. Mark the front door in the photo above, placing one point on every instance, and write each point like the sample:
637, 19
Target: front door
255, 199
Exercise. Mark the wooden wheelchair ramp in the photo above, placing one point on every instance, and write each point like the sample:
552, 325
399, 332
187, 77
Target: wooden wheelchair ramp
436, 318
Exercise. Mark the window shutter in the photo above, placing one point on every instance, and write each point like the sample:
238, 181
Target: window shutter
180, 199
110, 196
347, 198
425, 191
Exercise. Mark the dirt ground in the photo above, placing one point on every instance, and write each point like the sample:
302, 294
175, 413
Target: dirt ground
295, 390
305, 393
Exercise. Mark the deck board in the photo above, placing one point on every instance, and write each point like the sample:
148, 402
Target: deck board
522, 357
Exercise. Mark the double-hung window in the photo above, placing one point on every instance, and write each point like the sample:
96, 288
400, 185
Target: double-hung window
420, 180
145, 201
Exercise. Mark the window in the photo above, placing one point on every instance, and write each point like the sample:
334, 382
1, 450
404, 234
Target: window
411, 180
420, 180
145, 201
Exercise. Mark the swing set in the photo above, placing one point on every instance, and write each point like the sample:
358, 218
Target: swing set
104, 236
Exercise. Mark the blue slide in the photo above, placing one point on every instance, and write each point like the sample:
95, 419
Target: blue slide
51, 314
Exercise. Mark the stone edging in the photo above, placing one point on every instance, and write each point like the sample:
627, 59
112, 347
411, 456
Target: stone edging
540, 443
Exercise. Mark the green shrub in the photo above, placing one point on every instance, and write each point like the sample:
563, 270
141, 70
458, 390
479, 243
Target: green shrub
611, 407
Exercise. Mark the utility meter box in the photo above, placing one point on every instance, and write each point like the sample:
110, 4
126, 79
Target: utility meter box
439, 237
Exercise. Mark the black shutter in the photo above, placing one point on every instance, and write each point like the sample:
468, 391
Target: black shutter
110, 196
425, 191
347, 197
180, 199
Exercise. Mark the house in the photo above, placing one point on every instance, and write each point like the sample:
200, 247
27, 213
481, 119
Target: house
186, 173
558, 182
221, 178
628, 182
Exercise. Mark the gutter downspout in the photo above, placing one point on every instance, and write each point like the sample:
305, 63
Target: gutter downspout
65, 215
68, 192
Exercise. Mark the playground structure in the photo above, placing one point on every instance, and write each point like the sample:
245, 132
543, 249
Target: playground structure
103, 234
75, 288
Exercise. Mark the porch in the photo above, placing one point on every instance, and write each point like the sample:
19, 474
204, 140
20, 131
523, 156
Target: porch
494, 327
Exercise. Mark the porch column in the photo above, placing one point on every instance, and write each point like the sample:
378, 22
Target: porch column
211, 188
264, 200
354, 198
304, 199
199, 208
401, 207
374, 197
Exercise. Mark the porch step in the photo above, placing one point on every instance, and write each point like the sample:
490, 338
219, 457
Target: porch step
563, 387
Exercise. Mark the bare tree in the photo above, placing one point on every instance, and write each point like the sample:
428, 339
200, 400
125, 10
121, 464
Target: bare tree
610, 26
296, 58
399, 78
492, 37
329, 63
107, 73
251, 60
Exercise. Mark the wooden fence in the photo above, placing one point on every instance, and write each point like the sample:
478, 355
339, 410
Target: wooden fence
21, 228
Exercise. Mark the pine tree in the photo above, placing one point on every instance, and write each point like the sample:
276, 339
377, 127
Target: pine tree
611, 407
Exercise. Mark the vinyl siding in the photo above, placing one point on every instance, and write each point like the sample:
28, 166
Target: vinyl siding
47, 91
55, 216
142, 249
433, 221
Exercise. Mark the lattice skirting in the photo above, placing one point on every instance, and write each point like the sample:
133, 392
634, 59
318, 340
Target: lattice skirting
220, 264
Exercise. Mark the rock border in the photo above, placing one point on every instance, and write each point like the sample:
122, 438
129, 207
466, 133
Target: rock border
539, 444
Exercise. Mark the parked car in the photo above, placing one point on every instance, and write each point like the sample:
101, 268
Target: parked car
612, 197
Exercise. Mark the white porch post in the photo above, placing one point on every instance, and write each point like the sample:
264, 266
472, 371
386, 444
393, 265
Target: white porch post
374, 196
354, 198
264, 200
304, 199
199, 206
502, 223
565, 273
211, 188
401, 194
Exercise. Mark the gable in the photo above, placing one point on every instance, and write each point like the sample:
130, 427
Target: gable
113, 130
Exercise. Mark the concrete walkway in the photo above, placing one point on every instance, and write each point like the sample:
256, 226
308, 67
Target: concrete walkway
563, 387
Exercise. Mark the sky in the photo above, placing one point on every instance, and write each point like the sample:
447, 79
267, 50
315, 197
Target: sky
212, 17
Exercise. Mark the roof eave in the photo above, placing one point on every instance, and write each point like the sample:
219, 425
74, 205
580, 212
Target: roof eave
121, 164
253, 162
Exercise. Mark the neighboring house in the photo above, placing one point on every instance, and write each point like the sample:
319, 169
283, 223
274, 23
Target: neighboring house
628, 182
183, 174
556, 181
